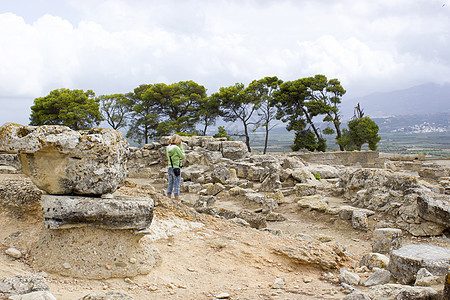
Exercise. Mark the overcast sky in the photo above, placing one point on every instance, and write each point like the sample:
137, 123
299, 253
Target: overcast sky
113, 46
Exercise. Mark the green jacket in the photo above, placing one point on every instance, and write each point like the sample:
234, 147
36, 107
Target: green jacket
176, 153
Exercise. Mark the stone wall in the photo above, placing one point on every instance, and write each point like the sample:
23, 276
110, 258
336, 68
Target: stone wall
364, 159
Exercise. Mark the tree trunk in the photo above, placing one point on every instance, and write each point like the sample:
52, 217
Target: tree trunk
247, 138
266, 139
338, 131
311, 124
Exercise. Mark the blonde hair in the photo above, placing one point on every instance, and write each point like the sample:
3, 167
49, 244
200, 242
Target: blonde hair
175, 139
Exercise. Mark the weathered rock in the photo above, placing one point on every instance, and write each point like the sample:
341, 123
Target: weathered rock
356, 295
220, 174
234, 150
305, 189
255, 220
348, 277
405, 262
13, 252
402, 292
40, 295
380, 276
384, 240
324, 171
292, 163
20, 196
60, 160
425, 278
302, 175
212, 189
23, 285
418, 294
359, 220
8, 170
272, 183
10, 160
205, 201
346, 212
279, 283
73, 252
398, 195
202, 157
314, 253
316, 202
436, 209
106, 296
62, 212
446, 290
374, 260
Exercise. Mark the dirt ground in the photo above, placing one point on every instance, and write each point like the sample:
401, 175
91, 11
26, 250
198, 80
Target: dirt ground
205, 257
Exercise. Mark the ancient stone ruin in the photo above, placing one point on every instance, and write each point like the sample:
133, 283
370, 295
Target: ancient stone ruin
78, 172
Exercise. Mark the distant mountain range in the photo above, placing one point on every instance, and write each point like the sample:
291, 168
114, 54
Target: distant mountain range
427, 98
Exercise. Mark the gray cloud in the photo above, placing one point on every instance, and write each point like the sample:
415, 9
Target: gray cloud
113, 46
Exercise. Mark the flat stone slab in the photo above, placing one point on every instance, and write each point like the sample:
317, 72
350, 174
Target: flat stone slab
406, 261
62, 212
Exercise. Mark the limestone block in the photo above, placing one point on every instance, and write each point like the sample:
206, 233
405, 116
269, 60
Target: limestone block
402, 292
257, 173
94, 253
39, 295
202, 157
305, 189
435, 209
212, 189
302, 175
348, 277
234, 150
384, 240
213, 145
62, 212
292, 163
271, 184
255, 220
60, 160
346, 212
220, 174
425, 278
205, 201
359, 220
23, 284
20, 196
405, 262
374, 260
315, 202
325, 171
10, 160
380, 276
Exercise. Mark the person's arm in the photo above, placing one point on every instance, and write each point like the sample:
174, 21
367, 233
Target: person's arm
180, 152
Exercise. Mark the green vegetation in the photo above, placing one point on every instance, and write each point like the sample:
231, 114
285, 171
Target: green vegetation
76, 109
360, 131
155, 110
299, 102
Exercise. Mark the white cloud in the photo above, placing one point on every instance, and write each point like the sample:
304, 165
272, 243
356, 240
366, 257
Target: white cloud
117, 45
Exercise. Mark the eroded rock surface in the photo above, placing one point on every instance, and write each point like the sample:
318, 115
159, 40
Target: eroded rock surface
405, 262
60, 160
61, 212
